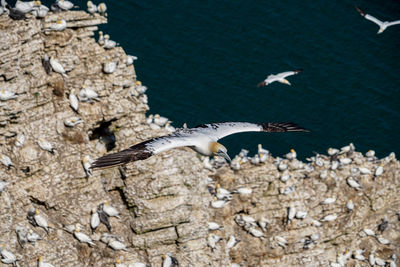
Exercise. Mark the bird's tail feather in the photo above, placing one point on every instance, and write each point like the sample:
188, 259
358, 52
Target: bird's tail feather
282, 127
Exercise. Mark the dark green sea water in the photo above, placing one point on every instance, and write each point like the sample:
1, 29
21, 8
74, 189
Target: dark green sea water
202, 61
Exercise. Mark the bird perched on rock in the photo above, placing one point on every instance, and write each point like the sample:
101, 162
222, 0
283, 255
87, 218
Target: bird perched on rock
14, 13
46, 64
57, 67
203, 139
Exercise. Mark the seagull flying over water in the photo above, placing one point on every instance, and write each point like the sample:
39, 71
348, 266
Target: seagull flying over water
382, 24
202, 139
280, 77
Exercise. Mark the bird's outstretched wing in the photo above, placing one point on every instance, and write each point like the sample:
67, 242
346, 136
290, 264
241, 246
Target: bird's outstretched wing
219, 130
373, 19
145, 150
288, 73
369, 17
393, 23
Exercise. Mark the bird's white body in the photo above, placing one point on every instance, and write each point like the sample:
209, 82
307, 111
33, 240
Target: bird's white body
8, 257
328, 200
45, 145
83, 237
59, 25
40, 11
94, 219
6, 95
102, 8
87, 94
329, 218
73, 101
116, 245
5, 160
110, 211
72, 121
109, 67
65, 4
280, 77
129, 60
91, 7
57, 67
41, 221
24, 7
3, 185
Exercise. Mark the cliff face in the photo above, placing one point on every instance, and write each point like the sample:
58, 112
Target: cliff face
164, 201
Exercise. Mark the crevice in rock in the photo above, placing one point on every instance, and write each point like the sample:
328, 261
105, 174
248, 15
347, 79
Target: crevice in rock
104, 134
38, 202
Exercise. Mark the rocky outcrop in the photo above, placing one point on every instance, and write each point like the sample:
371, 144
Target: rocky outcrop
164, 201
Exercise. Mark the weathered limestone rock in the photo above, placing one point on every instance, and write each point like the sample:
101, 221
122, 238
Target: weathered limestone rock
164, 201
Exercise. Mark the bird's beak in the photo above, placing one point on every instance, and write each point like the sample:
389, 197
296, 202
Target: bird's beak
224, 155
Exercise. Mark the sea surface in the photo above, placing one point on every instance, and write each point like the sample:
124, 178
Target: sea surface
202, 61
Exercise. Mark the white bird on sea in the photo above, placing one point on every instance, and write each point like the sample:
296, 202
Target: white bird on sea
45, 145
3, 185
24, 7
91, 7
203, 139
60, 25
43, 264
6, 161
7, 256
73, 100
108, 44
65, 4
109, 67
40, 220
129, 60
280, 77
57, 67
382, 24
102, 8
39, 10
72, 121
7, 95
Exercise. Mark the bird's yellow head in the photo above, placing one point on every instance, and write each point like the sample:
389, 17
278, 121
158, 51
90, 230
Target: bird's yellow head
59, 22
37, 3
37, 212
138, 83
118, 261
218, 149
40, 258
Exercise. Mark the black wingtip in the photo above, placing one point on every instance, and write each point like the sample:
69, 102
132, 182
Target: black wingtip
261, 84
109, 161
282, 127
298, 70
361, 11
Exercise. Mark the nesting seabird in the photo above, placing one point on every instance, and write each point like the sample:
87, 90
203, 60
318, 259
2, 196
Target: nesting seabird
43, 264
60, 25
39, 10
102, 8
6, 95
24, 7
91, 7
203, 139
280, 77
65, 4
57, 67
382, 24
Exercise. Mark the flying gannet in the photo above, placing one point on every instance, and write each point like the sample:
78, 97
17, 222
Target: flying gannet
382, 24
280, 77
202, 138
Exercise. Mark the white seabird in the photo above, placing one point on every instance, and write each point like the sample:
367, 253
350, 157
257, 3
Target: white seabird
382, 24
102, 8
203, 139
43, 264
72, 121
73, 101
45, 145
83, 237
6, 95
91, 7
108, 44
24, 7
129, 60
60, 25
280, 77
40, 220
39, 10
110, 67
3, 185
6, 161
65, 4
7, 256
20, 140
57, 67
